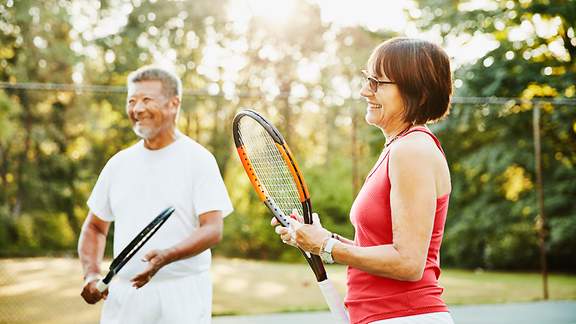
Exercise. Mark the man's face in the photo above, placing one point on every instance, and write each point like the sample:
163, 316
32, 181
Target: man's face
149, 110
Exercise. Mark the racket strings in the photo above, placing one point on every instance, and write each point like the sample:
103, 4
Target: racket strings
269, 166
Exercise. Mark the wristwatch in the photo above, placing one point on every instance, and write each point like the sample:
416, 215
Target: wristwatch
326, 251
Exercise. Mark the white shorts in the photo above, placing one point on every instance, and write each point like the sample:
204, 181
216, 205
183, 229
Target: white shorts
176, 300
430, 318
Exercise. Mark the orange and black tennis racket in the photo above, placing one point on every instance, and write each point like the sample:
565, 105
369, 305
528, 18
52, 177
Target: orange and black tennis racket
280, 185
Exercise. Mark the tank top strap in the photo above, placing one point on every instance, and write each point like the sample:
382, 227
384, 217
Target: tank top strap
383, 159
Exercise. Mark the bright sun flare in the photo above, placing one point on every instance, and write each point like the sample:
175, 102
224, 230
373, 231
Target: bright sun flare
274, 12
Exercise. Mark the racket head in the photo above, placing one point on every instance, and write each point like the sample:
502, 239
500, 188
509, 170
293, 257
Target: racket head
271, 167
274, 173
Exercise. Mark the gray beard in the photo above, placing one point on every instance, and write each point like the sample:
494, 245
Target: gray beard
143, 132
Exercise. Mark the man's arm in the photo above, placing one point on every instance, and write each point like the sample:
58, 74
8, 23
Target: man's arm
208, 234
91, 246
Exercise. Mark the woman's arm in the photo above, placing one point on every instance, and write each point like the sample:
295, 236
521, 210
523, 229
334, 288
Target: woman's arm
342, 239
413, 205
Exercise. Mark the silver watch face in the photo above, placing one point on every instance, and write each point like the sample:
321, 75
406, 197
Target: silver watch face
326, 257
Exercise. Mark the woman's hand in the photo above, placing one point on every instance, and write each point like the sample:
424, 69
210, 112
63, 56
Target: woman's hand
307, 237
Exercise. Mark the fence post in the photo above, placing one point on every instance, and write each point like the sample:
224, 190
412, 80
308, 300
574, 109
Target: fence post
541, 219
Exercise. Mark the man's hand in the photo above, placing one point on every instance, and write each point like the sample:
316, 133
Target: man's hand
91, 251
208, 234
156, 259
90, 294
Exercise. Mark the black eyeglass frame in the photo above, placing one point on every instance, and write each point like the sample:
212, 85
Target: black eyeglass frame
373, 82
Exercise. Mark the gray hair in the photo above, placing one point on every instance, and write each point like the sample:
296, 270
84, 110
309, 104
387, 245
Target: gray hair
171, 84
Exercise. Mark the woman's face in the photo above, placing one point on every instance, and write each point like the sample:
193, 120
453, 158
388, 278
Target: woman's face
385, 106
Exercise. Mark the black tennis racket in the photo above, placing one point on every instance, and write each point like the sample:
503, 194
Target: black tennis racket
280, 185
133, 247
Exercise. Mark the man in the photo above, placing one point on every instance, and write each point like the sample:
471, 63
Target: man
167, 281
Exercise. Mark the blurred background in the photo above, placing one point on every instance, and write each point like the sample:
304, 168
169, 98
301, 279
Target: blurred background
510, 138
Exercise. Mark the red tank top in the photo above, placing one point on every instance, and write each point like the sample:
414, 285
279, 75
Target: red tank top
370, 297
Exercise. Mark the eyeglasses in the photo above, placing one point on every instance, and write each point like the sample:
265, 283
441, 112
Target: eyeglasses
373, 82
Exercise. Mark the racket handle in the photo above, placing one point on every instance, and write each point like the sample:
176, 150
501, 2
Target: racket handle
101, 285
334, 302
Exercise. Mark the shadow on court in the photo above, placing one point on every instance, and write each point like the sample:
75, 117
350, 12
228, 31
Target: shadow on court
557, 312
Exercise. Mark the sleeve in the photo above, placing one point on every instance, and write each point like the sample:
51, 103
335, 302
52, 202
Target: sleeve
99, 200
209, 191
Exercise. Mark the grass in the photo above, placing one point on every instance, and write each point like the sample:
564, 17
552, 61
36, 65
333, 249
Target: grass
46, 290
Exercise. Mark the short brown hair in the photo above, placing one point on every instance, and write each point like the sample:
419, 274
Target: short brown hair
421, 70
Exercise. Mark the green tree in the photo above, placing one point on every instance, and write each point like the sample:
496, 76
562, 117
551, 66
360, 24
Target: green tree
492, 221
37, 175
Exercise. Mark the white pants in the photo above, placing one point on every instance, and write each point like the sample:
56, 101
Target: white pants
430, 318
175, 301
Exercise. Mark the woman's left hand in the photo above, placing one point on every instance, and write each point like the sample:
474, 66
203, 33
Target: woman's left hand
307, 237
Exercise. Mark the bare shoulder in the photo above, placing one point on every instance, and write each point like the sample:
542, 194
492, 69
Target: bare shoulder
415, 148
416, 156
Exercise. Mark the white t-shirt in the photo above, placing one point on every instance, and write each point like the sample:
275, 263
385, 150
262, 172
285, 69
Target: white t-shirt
137, 184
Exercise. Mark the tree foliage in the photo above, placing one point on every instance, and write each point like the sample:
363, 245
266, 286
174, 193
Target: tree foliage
302, 74
494, 217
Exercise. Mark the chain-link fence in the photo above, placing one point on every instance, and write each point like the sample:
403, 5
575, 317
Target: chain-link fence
54, 144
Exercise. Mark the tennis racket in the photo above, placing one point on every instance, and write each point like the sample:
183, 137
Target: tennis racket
133, 247
280, 185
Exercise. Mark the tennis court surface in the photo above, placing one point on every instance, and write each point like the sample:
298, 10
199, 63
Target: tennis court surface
557, 312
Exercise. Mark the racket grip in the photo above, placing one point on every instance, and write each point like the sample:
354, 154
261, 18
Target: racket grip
334, 302
101, 285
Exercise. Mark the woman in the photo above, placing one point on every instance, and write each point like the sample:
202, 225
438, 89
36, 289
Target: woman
399, 213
